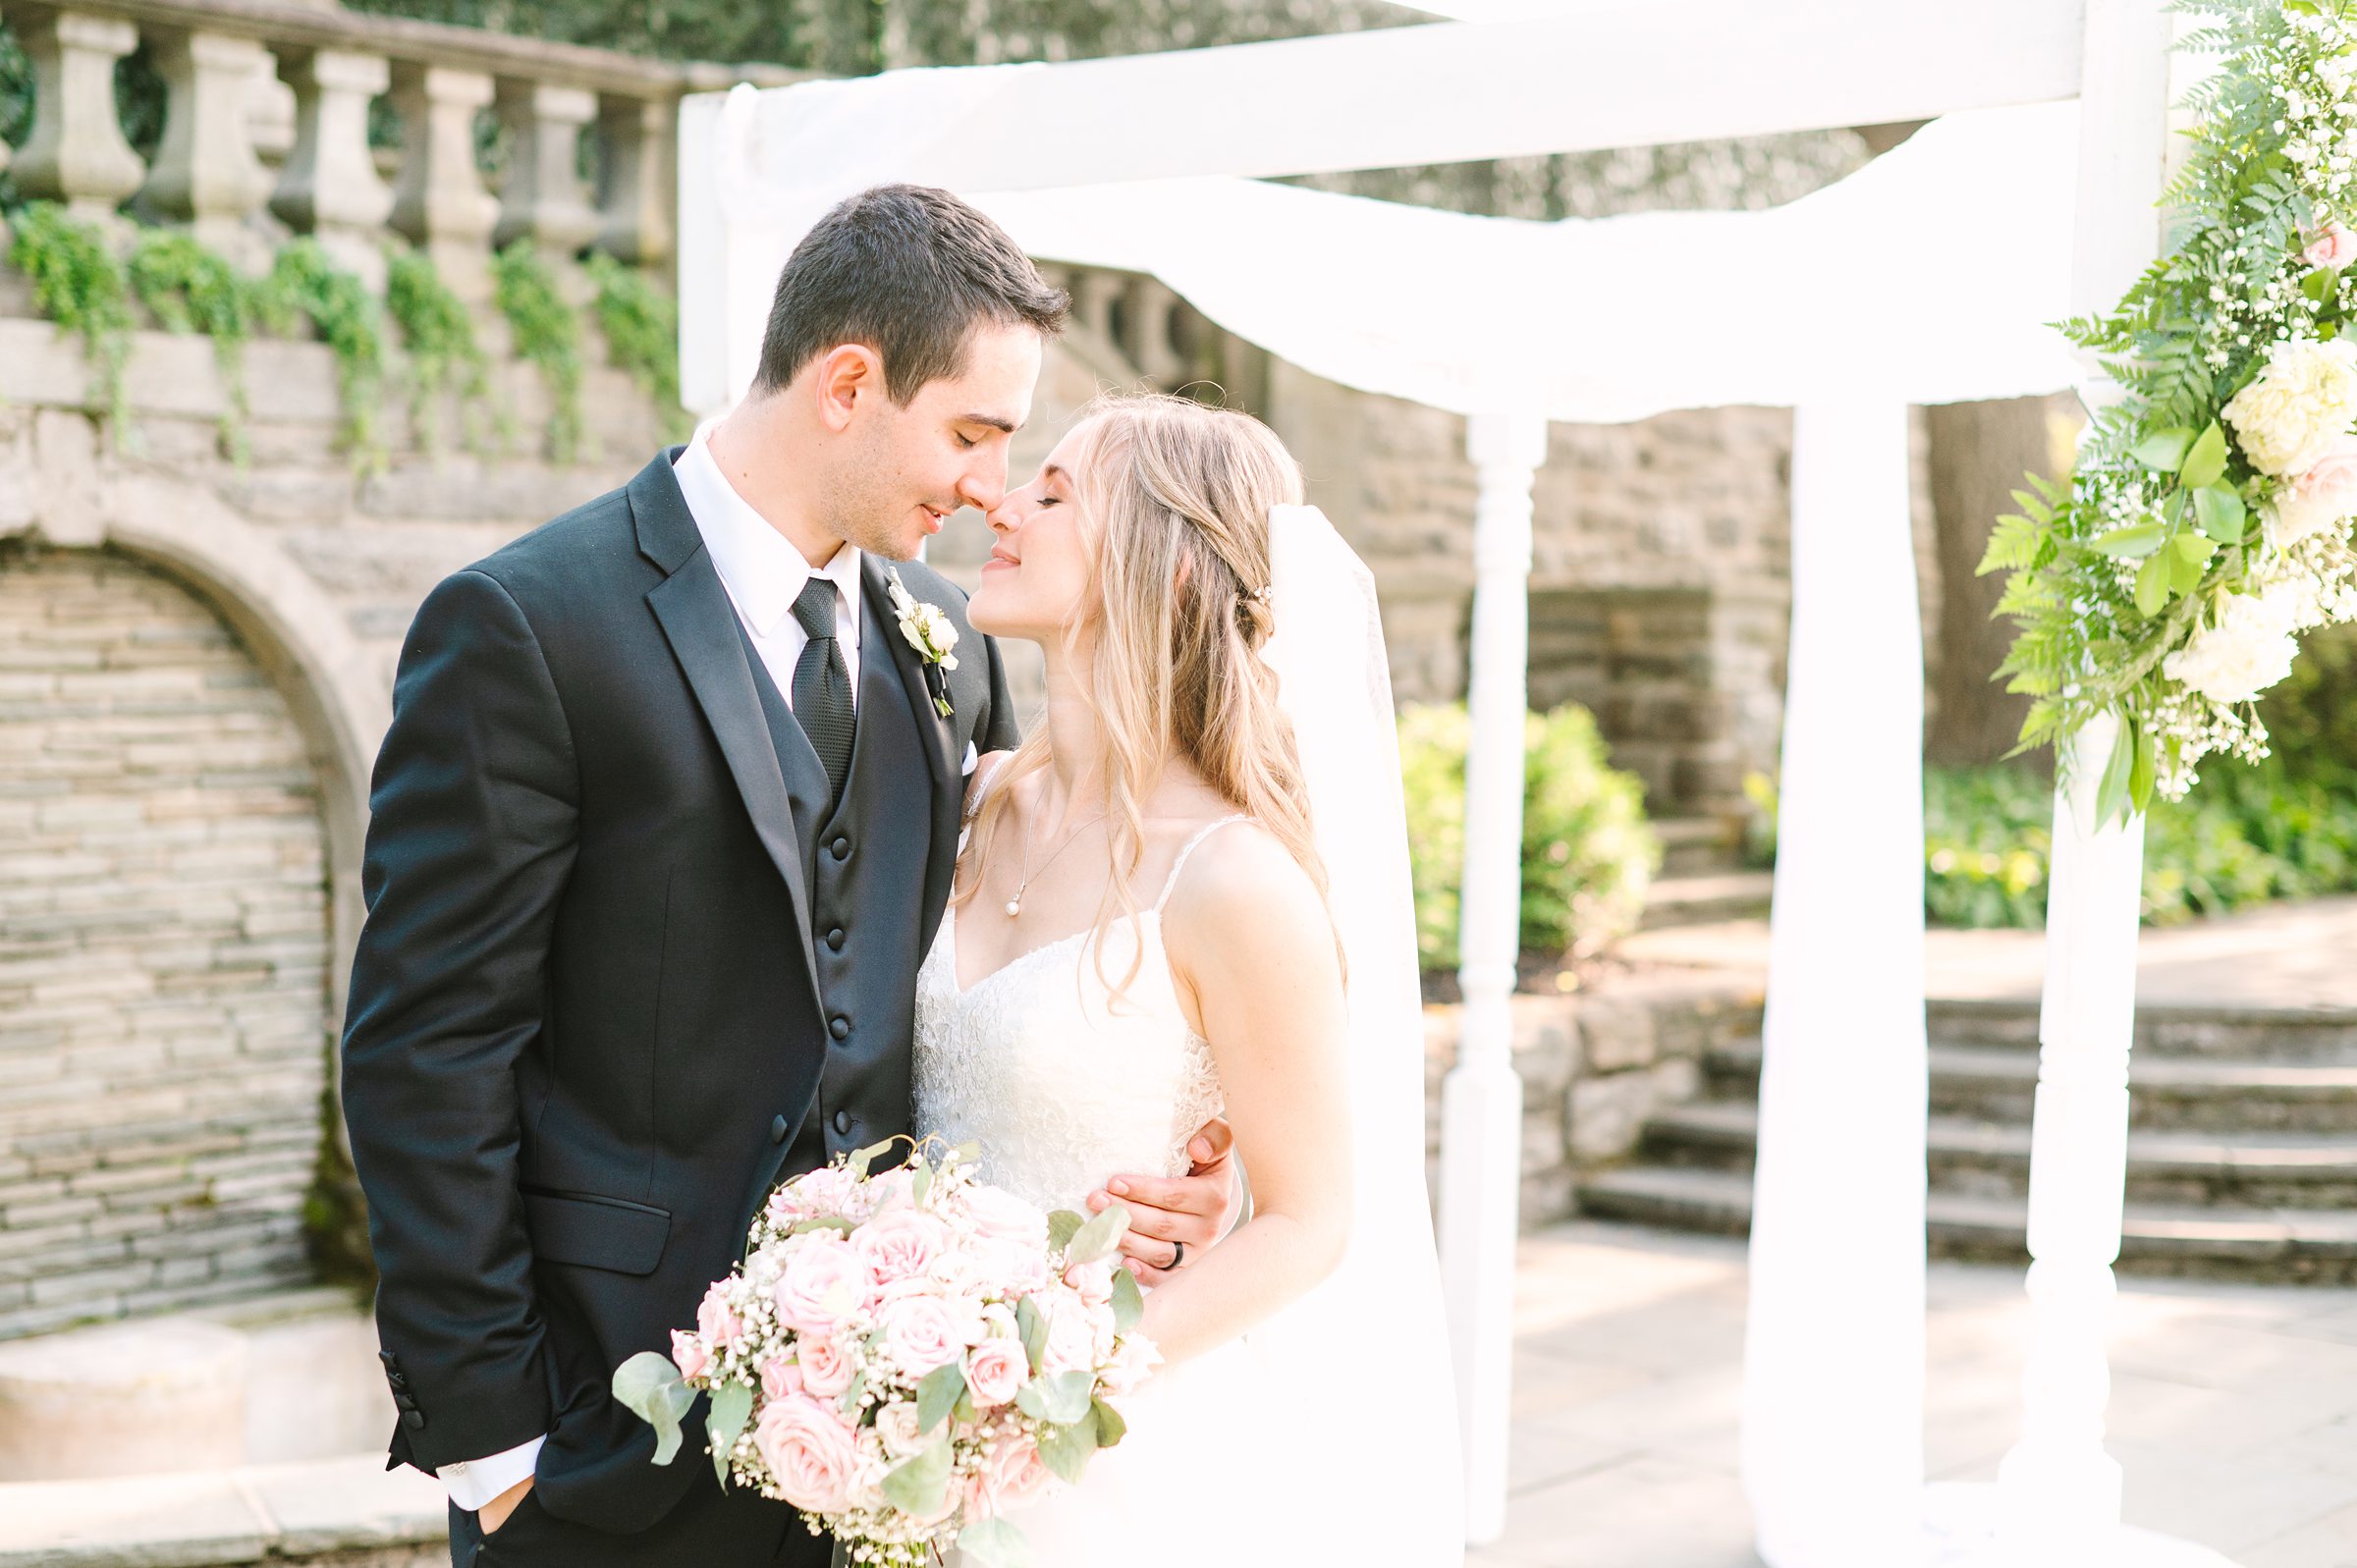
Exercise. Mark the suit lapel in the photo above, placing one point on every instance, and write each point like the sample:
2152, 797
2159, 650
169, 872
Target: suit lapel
940, 741
700, 624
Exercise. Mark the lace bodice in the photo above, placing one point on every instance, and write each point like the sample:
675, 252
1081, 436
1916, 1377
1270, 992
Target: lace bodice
1061, 1084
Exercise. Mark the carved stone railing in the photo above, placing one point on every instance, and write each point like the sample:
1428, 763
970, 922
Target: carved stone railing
230, 167
1127, 327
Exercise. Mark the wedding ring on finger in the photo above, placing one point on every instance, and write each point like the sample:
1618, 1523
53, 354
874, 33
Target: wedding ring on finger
1177, 1256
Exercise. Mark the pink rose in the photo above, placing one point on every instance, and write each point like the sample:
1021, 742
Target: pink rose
826, 1370
780, 1378
2332, 246
2321, 496
1130, 1367
920, 1334
1093, 1280
825, 1191
995, 1372
901, 1243
1014, 1267
687, 1353
896, 1430
809, 1453
1010, 1476
825, 1281
1072, 1333
715, 1323
1002, 1216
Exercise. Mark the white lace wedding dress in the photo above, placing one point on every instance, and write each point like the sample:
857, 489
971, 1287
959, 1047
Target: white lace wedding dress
1063, 1087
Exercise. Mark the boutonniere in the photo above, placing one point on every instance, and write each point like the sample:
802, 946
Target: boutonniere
928, 630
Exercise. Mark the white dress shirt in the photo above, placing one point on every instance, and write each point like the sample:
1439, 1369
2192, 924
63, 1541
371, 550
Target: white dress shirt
763, 573
763, 576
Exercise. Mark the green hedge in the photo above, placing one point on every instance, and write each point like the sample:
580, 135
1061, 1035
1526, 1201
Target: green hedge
2243, 836
1588, 853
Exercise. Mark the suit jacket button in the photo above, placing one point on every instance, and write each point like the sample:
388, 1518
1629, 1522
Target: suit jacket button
840, 848
842, 1121
777, 1129
413, 1420
403, 1402
388, 1358
840, 1027
835, 940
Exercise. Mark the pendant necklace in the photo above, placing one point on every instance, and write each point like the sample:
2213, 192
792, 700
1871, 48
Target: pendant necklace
1014, 905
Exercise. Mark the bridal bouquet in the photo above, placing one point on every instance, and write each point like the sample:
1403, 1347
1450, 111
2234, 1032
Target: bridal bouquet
905, 1356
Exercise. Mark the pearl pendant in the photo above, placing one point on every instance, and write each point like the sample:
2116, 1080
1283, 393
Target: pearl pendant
1014, 906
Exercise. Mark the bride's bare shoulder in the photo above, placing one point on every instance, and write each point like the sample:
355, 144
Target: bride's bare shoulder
1242, 891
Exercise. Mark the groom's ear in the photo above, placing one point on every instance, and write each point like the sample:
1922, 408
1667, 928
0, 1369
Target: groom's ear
843, 377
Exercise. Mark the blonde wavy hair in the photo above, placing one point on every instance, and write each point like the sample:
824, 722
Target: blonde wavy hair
1174, 498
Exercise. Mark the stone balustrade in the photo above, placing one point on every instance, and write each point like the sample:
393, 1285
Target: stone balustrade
228, 168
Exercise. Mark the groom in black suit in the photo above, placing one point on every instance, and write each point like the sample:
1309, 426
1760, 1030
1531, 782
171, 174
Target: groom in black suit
661, 831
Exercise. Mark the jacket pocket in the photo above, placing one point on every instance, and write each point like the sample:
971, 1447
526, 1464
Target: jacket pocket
596, 1233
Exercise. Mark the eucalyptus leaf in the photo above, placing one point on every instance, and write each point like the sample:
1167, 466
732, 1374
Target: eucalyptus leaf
1111, 1428
995, 1543
1062, 1226
919, 1184
2220, 513
2163, 449
650, 1387
1067, 1450
919, 1482
1099, 1237
1129, 1302
867, 1156
1034, 1329
2153, 584
723, 1423
938, 1394
827, 1223
1061, 1399
2207, 460
2132, 543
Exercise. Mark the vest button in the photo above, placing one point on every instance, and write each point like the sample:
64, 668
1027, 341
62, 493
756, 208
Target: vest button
777, 1129
835, 940
842, 1122
840, 1027
413, 1420
840, 848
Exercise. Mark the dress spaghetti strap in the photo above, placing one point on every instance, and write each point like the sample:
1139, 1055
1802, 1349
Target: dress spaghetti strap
1171, 885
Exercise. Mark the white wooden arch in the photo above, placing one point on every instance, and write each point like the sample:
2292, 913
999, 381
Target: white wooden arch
1832, 1414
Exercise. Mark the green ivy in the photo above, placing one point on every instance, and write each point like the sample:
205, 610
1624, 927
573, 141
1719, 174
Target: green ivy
79, 283
188, 288
305, 283
548, 333
641, 324
444, 356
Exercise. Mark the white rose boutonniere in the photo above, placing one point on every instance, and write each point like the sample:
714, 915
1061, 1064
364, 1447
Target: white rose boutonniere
928, 630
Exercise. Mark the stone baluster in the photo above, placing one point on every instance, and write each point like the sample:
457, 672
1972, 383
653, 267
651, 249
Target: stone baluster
438, 200
545, 199
1093, 293
206, 174
77, 154
330, 188
1146, 336
638, 137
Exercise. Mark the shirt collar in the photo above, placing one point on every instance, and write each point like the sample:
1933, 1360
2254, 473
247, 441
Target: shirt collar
763, 573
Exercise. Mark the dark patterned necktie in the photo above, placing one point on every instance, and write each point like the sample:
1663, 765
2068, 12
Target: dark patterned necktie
822, 686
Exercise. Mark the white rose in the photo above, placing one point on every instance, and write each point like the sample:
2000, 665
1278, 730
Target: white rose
2247, 650
2298, 405
897, 1429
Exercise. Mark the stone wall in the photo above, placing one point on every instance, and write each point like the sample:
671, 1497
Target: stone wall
163, 949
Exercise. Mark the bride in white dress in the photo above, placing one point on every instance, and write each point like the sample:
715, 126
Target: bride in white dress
1152, 927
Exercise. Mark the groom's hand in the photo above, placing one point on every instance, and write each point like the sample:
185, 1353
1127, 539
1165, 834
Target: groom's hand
1193, 1211
494, 1513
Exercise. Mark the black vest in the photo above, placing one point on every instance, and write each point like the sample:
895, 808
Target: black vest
865, 865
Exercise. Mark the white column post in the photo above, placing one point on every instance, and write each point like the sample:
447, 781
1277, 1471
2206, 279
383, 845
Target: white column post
1833, 1391
1481, 1100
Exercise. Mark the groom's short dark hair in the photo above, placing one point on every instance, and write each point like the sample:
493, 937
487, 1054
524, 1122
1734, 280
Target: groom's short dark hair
909, 271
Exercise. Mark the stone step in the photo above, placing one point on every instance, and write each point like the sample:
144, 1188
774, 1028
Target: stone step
2319, 1036
1699, 845
1694, 900
2222, 1094
2243, 1242
2262, 1169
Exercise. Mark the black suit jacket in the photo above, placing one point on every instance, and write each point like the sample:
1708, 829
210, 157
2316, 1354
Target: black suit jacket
584, 1011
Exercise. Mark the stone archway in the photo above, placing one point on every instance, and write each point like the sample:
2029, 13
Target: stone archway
166, 941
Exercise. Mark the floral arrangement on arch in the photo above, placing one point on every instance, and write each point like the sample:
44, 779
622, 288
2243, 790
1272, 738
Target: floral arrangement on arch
2207, 522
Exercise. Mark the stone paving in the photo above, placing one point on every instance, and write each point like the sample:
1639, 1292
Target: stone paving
2233, 1409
